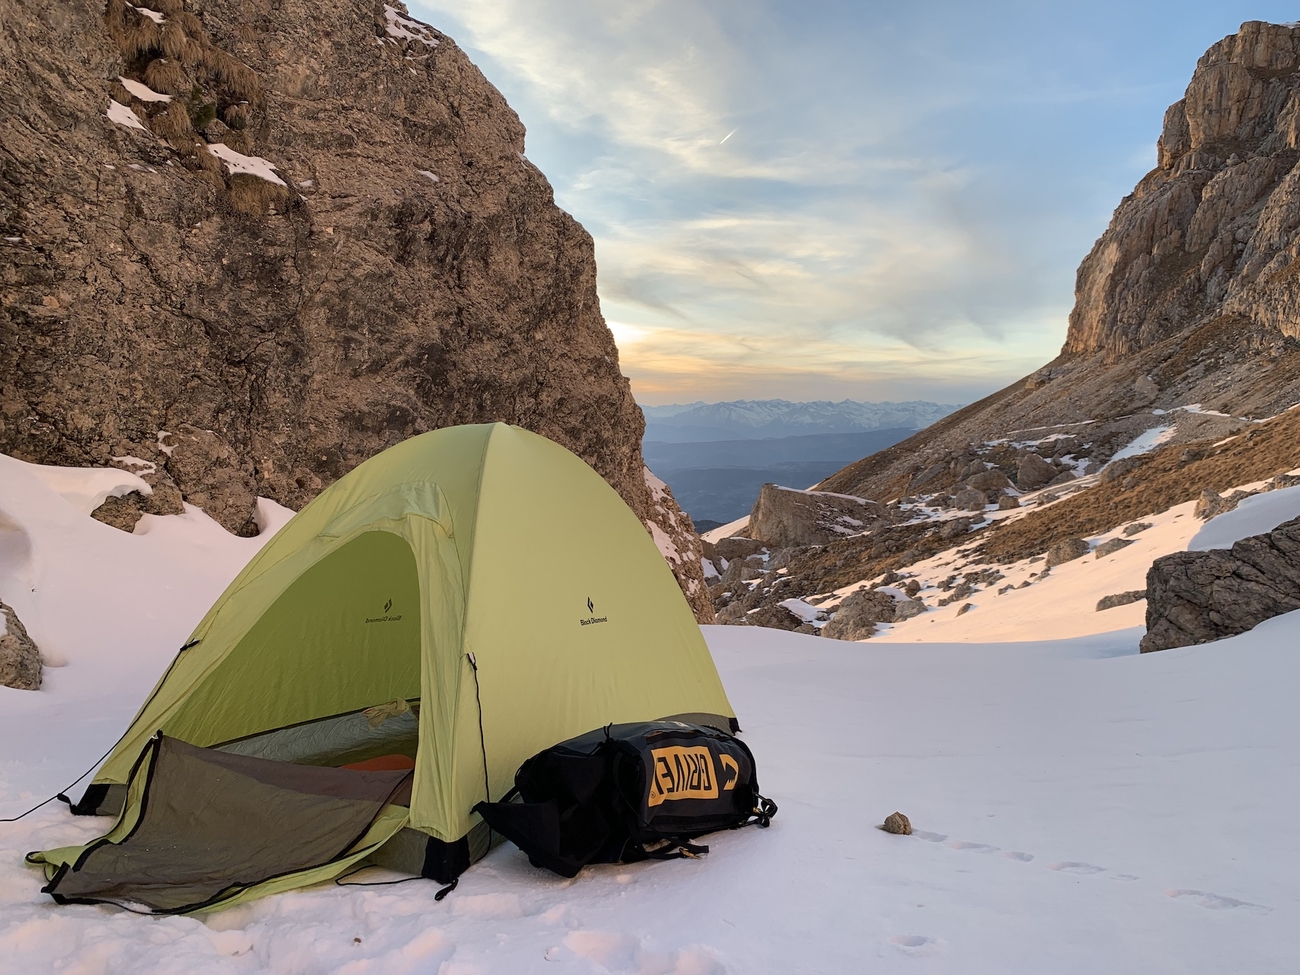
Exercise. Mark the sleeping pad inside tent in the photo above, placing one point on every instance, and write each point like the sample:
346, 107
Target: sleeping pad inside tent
449, 608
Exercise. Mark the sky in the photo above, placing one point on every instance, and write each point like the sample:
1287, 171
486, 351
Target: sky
834, 200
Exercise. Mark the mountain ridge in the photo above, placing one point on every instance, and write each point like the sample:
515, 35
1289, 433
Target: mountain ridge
758, 419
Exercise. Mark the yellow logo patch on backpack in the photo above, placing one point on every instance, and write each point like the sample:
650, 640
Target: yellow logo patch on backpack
682, 773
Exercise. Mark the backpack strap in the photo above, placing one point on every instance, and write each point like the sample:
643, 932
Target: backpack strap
674, 849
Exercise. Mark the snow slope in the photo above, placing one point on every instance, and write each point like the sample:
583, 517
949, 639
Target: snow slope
113, 607
1079, 807
1253, 516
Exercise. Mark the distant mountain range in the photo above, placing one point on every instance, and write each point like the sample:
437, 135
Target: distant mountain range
759, 419
717, 481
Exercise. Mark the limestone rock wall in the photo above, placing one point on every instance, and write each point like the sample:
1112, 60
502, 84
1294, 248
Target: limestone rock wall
1214, 229
404, 268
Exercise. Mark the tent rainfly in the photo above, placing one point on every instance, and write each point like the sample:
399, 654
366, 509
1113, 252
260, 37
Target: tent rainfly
452, 606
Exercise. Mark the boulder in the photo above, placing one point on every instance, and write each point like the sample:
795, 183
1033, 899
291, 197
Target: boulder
1195, 597
989, 480
1135, 528
969, 500
1210, 504
1120, 599
121, 513
1067, 550
20, 659
905, 609
1034, 472
1111, 547
1008, 501
742, 570
857, 616
897, 823
737, 548
1118, 469
1145, 391
211, 476
783, 517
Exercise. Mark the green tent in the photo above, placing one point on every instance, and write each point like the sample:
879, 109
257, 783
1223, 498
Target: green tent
465, 598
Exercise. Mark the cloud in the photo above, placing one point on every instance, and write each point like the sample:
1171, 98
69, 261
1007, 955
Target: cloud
781, 198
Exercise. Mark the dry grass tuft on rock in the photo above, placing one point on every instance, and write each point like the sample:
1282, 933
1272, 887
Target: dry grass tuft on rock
166, 75
255, 196
238, 79
172, 122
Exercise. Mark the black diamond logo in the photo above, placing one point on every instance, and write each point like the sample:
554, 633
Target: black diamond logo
388, 605
591, 607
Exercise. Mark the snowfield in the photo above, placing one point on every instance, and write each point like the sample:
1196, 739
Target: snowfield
1079, 808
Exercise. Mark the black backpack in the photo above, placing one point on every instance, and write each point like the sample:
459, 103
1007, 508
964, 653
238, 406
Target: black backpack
629, 792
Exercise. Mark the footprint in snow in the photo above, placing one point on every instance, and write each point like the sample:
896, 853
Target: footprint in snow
972, 847
911, 940
921, 834
914, 944
1071, 866
1022, 857
1216, 902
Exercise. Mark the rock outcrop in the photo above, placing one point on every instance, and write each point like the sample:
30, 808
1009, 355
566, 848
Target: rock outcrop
1120, 599
1212, 230
20, 659
784, 517
1195, 597
255, 244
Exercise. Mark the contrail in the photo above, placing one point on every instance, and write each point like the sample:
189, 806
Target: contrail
730, 134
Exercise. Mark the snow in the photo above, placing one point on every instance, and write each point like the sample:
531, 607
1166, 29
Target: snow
401, 28
429, 175
112, 606
664, 542
805, 611
153, 15
85, 488
142, 92
121, 115
1146, 442
715, 535
1253, 516
1063, 603
1078, 807
237, 162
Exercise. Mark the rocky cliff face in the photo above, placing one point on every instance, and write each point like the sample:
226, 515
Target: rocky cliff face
257, 242
1212, 230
